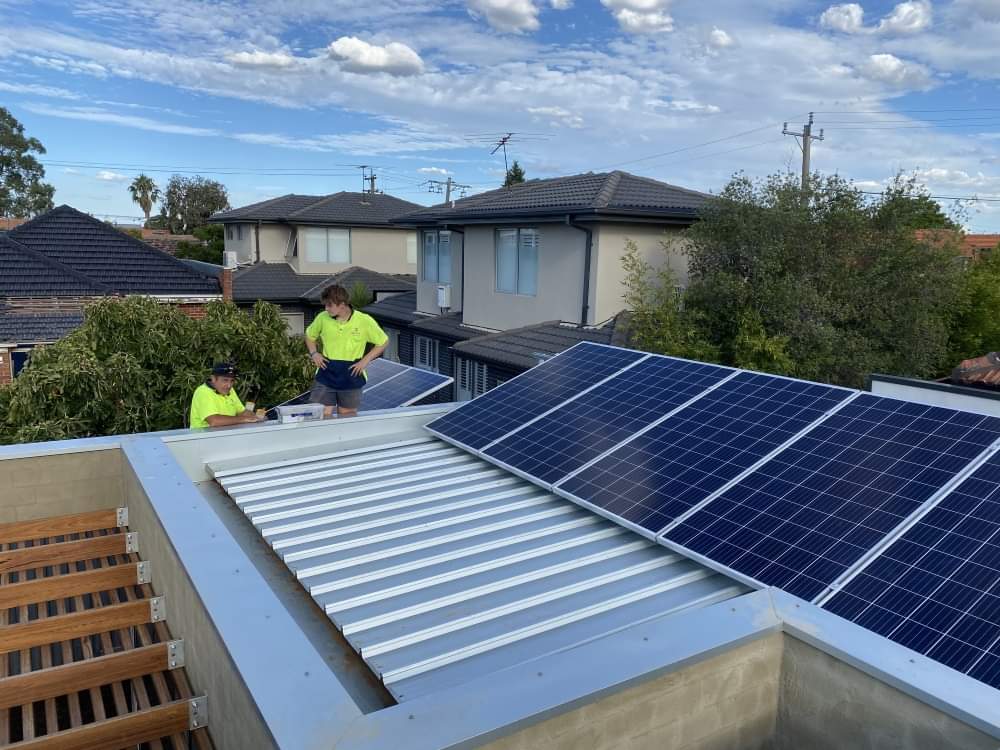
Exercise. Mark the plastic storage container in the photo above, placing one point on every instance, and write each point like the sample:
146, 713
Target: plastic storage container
300, 413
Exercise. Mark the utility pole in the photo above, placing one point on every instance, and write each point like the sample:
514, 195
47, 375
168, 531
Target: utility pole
806, 145
446, 186
371, 180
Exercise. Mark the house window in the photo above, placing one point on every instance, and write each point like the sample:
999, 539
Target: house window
411, 249
229, 231
471, 379
437, 256
425, 353
239, 232
517, 261
295, 323
392, 345
326, 244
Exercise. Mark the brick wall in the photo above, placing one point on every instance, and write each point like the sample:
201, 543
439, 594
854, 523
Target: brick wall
6, 366
226, 281
196, 311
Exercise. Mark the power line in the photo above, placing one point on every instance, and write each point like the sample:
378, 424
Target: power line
971, 198
901, 111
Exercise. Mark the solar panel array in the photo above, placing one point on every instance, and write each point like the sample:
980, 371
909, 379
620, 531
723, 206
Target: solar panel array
391, 384
936, 589
776, 481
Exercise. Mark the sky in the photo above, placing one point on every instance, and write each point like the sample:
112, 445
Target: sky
294, 95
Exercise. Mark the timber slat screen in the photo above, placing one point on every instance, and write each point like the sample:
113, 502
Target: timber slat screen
105, 682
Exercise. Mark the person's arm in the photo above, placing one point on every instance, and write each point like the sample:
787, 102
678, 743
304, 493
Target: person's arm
361, 365
317, 359
221, 420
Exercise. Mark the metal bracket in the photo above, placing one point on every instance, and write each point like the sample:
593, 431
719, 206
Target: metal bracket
122, 517
144, 571
131, 542
157, 609
175, 654
198, 712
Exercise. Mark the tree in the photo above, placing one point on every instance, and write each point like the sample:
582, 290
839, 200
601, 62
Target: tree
975, 325
209, 249
22, 192
189, 201
829, 289
134, 363
907, 203
144, 192
515, 175
360, 296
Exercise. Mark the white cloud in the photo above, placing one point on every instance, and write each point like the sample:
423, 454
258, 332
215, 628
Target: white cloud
558, 116
641, 16
890, 69
434, 170
507, 15
108, 176
562, 4
720, 39
38, 90
95, 114
987, 10
358, 56
848, 18
260, 59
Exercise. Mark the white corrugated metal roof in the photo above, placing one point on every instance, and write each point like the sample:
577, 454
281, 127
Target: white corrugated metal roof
439, 567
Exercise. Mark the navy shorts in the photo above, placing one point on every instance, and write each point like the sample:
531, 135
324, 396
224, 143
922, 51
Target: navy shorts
342, 399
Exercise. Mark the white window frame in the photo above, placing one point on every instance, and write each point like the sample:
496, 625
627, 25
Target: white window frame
294, 330
425, 353
326, 235
520, 282
439, 270
229, 231
470, 378
239, 232
392, 345
411, 249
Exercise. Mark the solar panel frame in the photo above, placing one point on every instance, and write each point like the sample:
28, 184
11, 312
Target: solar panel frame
459, 437
750, 390
433, 382
381, 371
739, 507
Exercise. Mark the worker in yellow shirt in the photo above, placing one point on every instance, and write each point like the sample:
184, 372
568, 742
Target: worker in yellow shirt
215, 403
344, 334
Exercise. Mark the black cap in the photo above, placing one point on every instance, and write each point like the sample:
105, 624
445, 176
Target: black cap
226, 369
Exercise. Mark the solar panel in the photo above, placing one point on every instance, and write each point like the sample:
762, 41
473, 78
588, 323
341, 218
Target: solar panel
936, 589
381, 370
803, 518
665, 471
521, 399
582, 429
403, 389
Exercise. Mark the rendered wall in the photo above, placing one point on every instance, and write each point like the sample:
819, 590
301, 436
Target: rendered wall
60, 484
427, 290
728, 701
381, 250
827, 704
274, 243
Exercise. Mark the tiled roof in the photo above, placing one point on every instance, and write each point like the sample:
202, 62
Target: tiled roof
27, 273
522, 348
107, 257
337, 208
399, 308
279, 281
449, 326
982, 371
23, 328
608, 193
968, 245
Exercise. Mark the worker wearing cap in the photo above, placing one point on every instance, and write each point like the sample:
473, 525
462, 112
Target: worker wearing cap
215, 403
344, 333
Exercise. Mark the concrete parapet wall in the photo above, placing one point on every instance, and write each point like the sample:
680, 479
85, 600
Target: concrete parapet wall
728, 701
59, 484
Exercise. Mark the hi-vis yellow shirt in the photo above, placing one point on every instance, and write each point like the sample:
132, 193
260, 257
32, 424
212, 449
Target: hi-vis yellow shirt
207, 402
347, 340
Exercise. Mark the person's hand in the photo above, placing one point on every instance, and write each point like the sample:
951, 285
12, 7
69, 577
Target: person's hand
249, 416
318, 359
358, 369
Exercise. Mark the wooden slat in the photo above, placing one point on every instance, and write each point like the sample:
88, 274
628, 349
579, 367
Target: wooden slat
74, 584
41, 528
40, 555
122, 731
81, 675
89, 622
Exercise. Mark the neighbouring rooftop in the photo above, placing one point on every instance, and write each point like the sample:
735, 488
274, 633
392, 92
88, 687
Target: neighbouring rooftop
279, 281
343, 208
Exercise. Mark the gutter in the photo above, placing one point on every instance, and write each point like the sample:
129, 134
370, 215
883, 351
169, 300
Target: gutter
258, 240
585, 308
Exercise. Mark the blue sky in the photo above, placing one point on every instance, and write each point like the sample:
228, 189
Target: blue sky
278, 97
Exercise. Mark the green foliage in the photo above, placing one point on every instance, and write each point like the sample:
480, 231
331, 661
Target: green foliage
22, 192
515, 175
831, 288
137, 233
134, 364
360, 296
144, 192
209, 250
906, 203
975, 327
189, 201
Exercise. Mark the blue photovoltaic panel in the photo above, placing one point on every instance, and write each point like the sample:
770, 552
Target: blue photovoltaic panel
584, 428
936, 589
802, 519
507, 407
402, 389
664, 472
381, 370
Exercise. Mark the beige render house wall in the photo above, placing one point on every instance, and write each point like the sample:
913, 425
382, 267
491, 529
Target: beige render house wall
380, 250
274, 243
607, 274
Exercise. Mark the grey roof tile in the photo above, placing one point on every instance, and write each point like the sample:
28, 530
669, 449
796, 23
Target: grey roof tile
107, 257
25, 272
279, 281
447, 326
399, 308
341, 208
522, 348
25, 328
611, 193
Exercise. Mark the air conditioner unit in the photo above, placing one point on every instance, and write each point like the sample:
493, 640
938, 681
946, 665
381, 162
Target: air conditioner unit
444, 295
229, 259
